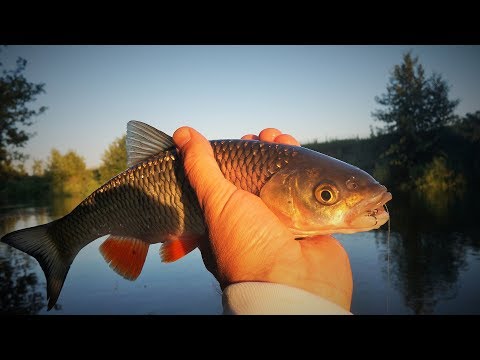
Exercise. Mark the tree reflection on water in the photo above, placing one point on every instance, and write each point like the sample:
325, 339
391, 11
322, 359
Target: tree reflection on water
428, 248
20, 292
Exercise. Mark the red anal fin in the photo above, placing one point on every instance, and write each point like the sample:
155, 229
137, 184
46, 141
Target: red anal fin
125, 256
177, 246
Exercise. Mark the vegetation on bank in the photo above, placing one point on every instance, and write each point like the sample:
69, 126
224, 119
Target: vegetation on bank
453, 169
63, 175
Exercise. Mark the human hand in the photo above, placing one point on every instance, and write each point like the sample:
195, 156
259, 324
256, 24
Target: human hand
247, 242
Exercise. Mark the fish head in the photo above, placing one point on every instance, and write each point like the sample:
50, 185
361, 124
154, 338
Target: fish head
320, 195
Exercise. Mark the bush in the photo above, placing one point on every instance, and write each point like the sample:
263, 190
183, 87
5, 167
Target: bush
439, 178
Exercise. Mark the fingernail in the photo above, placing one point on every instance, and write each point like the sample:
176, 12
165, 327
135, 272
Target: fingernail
181, 136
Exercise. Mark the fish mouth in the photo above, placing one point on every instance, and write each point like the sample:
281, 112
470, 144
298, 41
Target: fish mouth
371, 213
368, 215
375, 207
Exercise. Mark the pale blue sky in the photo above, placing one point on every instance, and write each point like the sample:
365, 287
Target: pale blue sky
311, 92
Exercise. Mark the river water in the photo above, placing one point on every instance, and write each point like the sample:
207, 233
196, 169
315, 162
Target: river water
430, 264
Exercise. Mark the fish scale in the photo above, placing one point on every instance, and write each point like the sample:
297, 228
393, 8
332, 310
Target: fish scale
251, 174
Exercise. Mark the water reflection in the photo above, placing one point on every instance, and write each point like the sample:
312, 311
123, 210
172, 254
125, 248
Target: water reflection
20, 290
434, 268
429, 248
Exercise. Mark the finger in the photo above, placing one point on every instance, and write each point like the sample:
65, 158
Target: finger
202, 171
269, 134
286, 139
249, 137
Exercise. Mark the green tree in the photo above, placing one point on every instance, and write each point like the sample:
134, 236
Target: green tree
469, 126
417, 107
15, 114
114, 159
69, 175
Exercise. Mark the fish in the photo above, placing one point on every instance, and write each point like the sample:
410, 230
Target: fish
152, 201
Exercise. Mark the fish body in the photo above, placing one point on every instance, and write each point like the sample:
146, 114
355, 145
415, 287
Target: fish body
152, 201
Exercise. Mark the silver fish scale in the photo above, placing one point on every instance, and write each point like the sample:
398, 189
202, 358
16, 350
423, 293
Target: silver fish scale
153, 199
249, 164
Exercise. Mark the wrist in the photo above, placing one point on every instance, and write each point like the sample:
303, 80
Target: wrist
336, 293
315, 269
270, 298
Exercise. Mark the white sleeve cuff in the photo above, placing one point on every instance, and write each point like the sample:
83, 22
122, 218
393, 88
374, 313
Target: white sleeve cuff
261, 298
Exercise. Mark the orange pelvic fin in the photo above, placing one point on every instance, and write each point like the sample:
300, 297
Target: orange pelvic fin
177, 246
125, 256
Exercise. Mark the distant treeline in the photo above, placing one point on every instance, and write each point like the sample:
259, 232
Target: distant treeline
62, 175
454, 166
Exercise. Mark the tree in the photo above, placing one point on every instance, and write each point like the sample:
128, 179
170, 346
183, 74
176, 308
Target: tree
114, 159
69, 175
416, 109
469, 126
15, 94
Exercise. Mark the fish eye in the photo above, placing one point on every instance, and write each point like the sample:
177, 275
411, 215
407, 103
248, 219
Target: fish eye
327, 194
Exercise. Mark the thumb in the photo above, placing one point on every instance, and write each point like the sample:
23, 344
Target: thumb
202, 171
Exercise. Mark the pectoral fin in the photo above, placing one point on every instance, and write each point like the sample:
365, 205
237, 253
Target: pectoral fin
125, 256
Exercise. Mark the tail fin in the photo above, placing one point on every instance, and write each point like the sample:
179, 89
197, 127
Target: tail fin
37, 242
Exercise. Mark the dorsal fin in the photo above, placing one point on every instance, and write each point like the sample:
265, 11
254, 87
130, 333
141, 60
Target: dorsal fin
143, 141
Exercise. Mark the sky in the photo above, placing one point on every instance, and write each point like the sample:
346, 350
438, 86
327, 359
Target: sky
311, 92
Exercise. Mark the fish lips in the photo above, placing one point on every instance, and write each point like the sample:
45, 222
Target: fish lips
370, 213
